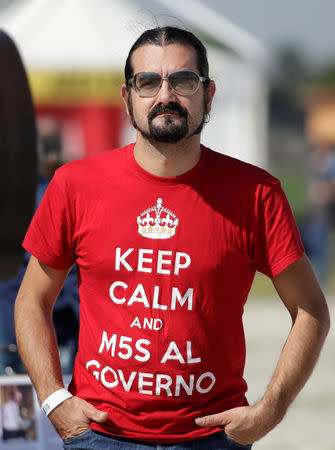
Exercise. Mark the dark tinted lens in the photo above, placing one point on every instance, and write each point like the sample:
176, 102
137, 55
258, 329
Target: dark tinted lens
184, 82
147, 83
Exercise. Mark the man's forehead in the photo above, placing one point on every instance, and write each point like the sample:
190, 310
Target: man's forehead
170, 57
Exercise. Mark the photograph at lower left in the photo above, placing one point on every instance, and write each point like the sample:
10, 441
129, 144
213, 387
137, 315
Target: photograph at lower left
18, 421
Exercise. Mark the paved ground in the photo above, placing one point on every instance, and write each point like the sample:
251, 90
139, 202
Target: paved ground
310, 422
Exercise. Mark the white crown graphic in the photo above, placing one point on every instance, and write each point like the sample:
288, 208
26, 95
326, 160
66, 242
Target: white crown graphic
157, 222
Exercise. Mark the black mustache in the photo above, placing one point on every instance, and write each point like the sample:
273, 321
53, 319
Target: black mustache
170, 107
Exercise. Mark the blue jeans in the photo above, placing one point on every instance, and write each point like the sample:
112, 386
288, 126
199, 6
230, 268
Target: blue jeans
93, 440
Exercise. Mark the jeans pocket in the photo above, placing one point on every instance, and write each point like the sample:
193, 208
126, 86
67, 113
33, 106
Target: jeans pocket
78, 437
236, 444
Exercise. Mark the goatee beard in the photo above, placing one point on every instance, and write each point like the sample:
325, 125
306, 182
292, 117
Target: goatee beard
169, 131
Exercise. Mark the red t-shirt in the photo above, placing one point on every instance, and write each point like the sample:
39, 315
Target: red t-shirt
165, 266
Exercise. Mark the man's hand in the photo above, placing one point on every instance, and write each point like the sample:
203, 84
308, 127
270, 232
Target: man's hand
303, 298
244, 425
74, 416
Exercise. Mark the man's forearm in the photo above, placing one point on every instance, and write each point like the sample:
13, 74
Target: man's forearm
303, 298
296, 362
35, 333
37, 344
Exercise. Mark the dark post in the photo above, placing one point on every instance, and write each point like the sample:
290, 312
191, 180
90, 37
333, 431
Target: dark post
18, 153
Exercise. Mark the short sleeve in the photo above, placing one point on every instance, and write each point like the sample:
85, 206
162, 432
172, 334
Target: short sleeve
49, 235
277, 241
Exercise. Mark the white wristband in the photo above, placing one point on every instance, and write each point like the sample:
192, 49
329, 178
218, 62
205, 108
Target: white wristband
55, 399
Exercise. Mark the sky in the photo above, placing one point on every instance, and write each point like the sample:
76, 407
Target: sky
308, 24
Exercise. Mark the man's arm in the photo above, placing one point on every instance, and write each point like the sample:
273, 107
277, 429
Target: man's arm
37, 344
302, 296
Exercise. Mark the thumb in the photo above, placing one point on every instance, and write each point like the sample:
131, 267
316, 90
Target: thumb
95, 414
213, 420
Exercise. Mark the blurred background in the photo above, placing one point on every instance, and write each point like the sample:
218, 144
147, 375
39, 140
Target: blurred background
274, 66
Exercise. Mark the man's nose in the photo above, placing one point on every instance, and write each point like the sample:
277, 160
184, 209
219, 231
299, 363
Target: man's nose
166, 93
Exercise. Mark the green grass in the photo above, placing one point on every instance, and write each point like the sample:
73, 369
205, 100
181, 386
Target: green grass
263, 288
294, 185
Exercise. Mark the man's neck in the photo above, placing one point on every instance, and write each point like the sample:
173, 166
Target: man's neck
167, 160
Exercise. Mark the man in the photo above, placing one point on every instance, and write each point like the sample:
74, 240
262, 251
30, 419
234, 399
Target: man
12, 421
167, 236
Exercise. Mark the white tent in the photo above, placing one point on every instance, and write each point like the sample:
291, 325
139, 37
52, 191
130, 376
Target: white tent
81, 35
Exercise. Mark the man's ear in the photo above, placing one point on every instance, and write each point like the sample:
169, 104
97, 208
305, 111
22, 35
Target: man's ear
124, 95
210, 92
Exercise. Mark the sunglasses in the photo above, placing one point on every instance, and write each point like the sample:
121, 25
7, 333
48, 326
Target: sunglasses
183, 82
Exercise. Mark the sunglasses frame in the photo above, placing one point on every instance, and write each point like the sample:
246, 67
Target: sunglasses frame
132, 82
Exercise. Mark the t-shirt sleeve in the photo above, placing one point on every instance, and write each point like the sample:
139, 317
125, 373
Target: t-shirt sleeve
277, 240
49, 235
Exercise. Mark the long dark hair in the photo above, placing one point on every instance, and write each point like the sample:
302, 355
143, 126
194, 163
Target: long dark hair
162, 36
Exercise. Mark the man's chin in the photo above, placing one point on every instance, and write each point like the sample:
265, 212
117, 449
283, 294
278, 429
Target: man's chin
169, 136
164, 133
166, 139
